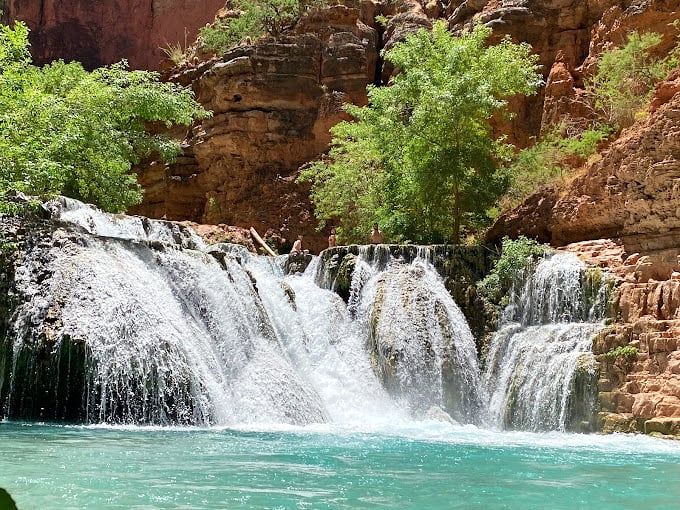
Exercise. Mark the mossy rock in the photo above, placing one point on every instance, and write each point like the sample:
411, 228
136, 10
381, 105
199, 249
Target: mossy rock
343, 280
665, 427
610, 423
289, 292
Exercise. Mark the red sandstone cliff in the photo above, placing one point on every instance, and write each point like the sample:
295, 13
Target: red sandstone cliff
275, 100
103, 32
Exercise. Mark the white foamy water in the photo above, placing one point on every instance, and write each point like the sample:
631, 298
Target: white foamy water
180, 333
177, 333
544, 343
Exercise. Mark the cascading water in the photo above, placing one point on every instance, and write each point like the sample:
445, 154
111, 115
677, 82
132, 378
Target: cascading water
538, 360
145, 324
129, 320
171, 334
418, 339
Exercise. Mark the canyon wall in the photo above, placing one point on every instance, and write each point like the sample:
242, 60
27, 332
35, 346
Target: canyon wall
622, 213
107, 31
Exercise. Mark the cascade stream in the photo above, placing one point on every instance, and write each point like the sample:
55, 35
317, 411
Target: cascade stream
540, 370
128, 320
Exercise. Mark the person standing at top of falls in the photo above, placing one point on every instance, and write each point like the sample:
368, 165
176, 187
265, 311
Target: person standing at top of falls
297, 245
377, 236
332, 241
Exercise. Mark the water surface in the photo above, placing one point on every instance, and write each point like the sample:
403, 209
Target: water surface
422, 465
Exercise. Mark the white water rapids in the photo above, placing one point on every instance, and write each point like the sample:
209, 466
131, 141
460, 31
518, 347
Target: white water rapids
178, 332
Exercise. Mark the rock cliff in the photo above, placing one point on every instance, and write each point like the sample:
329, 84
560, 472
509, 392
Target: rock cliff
622, 213
111, 30
273, 102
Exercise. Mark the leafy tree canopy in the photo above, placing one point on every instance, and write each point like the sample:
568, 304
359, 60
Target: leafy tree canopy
67, 131
421, 158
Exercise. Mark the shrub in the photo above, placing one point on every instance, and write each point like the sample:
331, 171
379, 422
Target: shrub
627, 352
516, 256
550, 158
67, 131
626, 77
256, 18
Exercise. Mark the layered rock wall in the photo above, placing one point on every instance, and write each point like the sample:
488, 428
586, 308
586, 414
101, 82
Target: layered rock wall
638, 391
273, 104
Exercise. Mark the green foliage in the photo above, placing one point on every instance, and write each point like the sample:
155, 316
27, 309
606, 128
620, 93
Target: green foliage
621, 88
382, 20
66, 131
6, 501
550, 158
626, 77
420, 159
256, 18
516, 256
7, 247
627, 352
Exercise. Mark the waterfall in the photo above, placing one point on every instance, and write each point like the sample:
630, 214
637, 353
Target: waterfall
123, 319
171, 334
540, 371
420, 344
128, 320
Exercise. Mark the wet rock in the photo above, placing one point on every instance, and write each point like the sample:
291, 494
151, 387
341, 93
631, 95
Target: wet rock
296, 263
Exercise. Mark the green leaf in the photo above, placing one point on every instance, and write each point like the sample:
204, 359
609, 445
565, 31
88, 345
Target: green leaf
66, 131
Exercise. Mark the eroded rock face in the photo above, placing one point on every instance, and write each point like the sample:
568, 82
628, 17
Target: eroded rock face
273, 104
110, 30
631, 192
558, 31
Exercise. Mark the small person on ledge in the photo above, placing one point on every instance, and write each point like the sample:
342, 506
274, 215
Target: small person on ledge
377, 236
297, 245
332, 241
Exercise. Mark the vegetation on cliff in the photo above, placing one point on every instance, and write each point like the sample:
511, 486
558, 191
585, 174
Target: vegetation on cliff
553, 156
67, 131
421, 158
616, 95
254, 19
626, 77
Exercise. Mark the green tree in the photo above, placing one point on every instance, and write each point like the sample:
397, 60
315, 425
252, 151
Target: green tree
64, 130
626, 77
421, 158
256, 18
